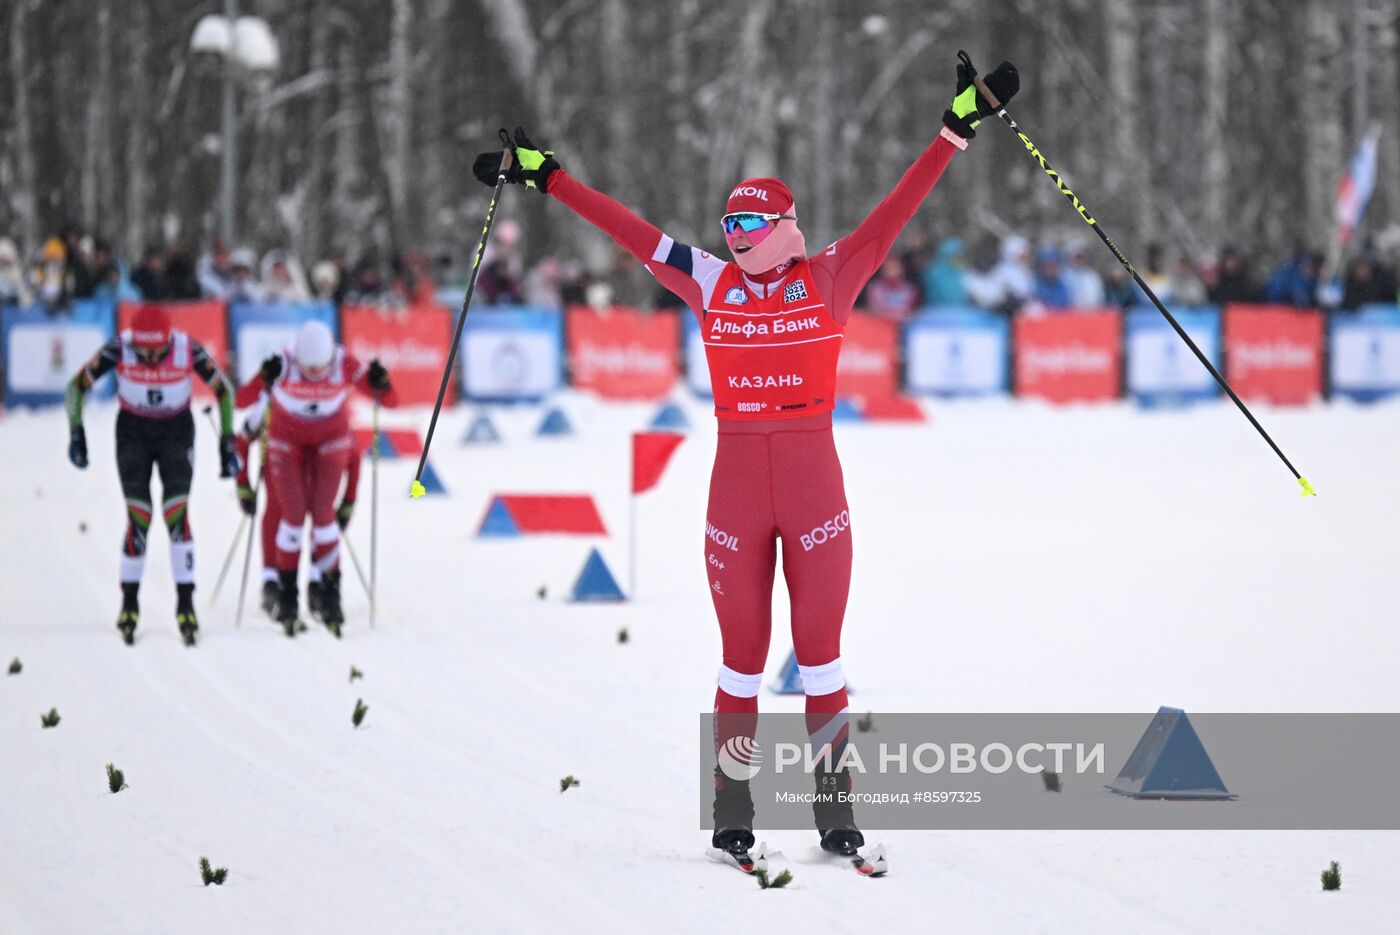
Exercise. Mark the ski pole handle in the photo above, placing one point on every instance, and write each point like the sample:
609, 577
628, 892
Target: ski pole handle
977, 81
507, 154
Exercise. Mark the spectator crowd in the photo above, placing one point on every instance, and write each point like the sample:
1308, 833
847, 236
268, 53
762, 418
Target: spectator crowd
1008, 275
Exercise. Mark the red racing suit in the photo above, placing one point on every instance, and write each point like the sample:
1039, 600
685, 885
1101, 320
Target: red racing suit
272, 513
772, 343
309, 445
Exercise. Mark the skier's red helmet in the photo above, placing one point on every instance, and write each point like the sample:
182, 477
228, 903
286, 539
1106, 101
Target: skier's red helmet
150, 332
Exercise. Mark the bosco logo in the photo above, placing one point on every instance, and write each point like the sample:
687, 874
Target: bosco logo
827, 531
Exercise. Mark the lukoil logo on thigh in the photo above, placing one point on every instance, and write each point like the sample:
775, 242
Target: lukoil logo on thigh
827, 531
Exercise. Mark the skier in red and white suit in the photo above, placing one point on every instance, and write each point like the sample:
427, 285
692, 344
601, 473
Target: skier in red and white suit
309, 444
252, 430
772, 321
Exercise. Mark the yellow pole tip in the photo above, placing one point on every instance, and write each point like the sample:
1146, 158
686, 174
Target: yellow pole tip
1307, 488
416, 491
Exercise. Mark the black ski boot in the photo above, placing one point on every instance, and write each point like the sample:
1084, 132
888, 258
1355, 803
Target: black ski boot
733, 816
331, 613
131, 613
269, 598
185, 616
313, 599
836, 822
287, 601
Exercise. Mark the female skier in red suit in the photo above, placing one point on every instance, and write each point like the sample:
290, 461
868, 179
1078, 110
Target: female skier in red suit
772, 321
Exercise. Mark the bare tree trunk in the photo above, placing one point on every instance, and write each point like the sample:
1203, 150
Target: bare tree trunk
314, 201
96, 181
1129, 172
137, 87
824, 141
437, 135
23, 198
1215, 142
1321, 113
347, 196
1386, 78
398, 122
614, 58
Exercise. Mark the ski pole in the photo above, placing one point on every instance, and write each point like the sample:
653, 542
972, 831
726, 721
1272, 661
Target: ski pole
1147, 290
416, 490
374, 511
232, 546
355, 560
248, 550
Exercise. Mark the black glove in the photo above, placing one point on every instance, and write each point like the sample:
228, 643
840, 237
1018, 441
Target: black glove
77, 446
378, 377
344, 512
229, 462
247, 499
271, 369
530, 167
969, 106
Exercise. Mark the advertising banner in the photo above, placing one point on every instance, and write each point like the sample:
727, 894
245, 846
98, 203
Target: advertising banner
205, 321
1162, 371
263, 328
1274, 353
957, 352
869, 364
1067, 357
411, 343
43, 351
697, 370
1365, 363
623, 353
512, 354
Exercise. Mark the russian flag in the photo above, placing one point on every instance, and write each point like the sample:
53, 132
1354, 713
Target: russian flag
1356, 186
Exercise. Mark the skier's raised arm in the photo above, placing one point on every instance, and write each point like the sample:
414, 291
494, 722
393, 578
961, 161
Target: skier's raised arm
847, 265
679, 267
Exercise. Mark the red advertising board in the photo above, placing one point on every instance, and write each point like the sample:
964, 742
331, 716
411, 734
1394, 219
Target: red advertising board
411, 343
206, 321
1066, 357
1274, 353
622, 353
869, 364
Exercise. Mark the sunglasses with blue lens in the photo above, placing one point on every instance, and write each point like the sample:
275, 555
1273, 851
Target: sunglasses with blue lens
749, 221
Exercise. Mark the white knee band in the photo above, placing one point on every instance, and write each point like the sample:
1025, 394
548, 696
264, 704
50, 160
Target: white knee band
324, 534
132, 566
823, 679
182, 562
288, 537
738, 684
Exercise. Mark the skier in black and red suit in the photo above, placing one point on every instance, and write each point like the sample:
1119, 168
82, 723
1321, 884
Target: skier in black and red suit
154, 367
772, 320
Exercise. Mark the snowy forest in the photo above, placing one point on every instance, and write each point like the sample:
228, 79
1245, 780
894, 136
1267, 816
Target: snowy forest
1194, 123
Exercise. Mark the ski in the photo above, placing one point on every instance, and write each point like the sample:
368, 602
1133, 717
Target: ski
876, 865
188, 634
746, 861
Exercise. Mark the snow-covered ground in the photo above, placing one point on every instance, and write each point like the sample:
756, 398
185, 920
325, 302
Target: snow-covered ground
1009, 557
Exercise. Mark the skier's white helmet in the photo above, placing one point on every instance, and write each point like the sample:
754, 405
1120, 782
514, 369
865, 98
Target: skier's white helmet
314, 347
